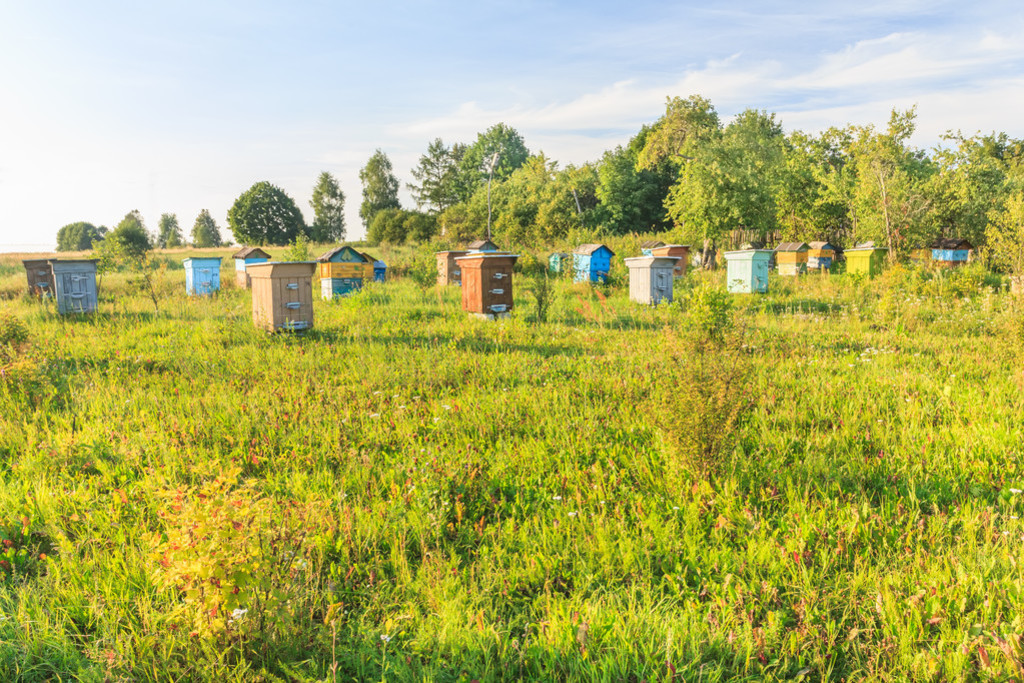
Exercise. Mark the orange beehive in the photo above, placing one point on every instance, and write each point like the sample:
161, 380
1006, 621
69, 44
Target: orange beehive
680, 251
487, 283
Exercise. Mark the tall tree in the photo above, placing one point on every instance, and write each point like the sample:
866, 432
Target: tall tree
633, 196
168, 234
380, 187
499, 139
131, 235
806, 208
890, 193
437, 177
205, 233
328, 210
265, 214
79, 236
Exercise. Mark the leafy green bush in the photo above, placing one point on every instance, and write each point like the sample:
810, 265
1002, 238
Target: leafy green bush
13, 332
709, 310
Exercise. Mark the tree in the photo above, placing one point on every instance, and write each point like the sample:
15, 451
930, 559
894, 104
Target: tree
131, 235
437, 175
633, 197
806, 206
729, 181
205, 233
499, 139
80, 236
1005, 235
380, 188
168, 235
420, 227
328, 210
265, 215
388, 226
889, 194
686, 126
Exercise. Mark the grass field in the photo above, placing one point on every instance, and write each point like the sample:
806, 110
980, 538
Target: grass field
405, 493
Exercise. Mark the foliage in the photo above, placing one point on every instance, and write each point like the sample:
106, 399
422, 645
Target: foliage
380, 188
499, 139
328, 204
540, 287
388, 226
169, 233
78, 236
1005, 235
13, 331
419, 227
631, 197
298, 250
265, 215
205, 233
236, 558
709, 311
438, 177
131, 237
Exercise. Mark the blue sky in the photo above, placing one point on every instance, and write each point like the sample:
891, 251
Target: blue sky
177, 107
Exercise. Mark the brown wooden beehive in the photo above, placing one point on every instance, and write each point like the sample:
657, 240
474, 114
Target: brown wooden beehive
448, 272
487, 282
40, 277
679, 251
282, 295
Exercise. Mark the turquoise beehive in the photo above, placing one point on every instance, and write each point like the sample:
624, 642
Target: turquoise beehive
202, 276
747, 270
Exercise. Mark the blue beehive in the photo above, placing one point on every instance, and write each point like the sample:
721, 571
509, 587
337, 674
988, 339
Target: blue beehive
747, 270
591, 262
380, 271
202, 276
951, 252
244, 257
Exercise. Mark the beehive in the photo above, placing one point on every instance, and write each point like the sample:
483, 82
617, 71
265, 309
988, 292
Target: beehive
558, 262
820, 256
282, 295
951, 252
651, 278
75, 285
481, 246
791, 258
866, 259
40, 277
342, 271
368, 267
448, 270
487, 283
243, 258
380, 271
202, 276
679, 251
647, 247
921, 255
591, 262
747, 270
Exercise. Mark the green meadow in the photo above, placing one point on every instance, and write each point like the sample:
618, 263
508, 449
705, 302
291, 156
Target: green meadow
407, 494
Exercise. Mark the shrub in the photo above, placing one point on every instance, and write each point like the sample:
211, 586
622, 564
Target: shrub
709, 310
540, 287
235, 558
13, 331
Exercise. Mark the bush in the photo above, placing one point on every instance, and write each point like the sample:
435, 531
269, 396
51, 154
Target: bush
235, 558
709, 310
13, 331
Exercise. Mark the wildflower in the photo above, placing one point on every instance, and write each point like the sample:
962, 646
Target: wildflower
374, 414
1015, 490
238, 613
556, 498
573, 514
385, 638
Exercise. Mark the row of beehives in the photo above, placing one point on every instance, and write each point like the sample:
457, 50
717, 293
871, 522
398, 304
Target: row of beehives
747, 269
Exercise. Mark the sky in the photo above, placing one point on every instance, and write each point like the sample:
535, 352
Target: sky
106, 107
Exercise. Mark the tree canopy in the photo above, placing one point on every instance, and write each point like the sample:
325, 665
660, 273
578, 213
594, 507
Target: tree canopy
205, 233
328, 205
380, 187
80, 236
265, 215
168, 235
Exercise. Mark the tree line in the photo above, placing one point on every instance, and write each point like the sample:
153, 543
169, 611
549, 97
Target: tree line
688, 171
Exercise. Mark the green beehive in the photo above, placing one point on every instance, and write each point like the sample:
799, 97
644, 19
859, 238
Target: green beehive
866, 259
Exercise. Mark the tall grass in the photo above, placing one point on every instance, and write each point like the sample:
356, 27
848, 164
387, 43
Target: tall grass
459, 500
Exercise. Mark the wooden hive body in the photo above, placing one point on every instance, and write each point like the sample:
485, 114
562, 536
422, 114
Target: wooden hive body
448, 270
487, 282
40, 277
282, 295
747, 270
202, 276
75, 286
866, 260
243, 258
343, 271
951, 252
557, 262
791, 258
679, 251
820, 256
592, 262
651, 278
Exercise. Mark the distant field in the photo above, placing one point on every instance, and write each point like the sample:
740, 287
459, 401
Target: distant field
404, 493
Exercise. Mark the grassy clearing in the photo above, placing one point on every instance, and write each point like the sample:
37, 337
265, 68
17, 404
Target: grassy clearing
407, 494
